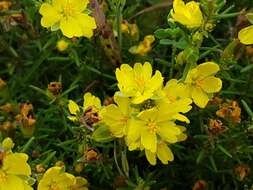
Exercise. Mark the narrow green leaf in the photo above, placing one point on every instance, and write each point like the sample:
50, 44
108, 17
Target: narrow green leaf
222, 149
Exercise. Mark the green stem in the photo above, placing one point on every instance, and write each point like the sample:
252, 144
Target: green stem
228, 15
116, 160
172, 61
118, 22
186, 70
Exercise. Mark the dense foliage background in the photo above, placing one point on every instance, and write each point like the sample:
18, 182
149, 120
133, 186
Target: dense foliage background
208, 159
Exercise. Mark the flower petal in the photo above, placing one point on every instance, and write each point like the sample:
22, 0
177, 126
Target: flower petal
199, 97
70, 27
149, 140
164, 153
16, 164
50, 16
207, 69
211, 84
73, 107
87, 24
246, 35
151, 157
91, 100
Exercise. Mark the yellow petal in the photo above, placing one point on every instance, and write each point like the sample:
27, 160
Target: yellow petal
73, 118
91, 100
211, 84
134, 130
16, 164
149, 140
50, 15
87, 24
70, 27
79, 5
123, 103
199, 97
73, 107
207, 69
151, 157
168, 132
148, 115
27, 187
181, 117
164, 153
12, 183
246, 35
156, 81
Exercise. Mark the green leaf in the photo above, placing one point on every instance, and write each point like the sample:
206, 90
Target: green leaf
102, 134
247, 108
200, 156
222, 149
250, 17
167, 33
182, 44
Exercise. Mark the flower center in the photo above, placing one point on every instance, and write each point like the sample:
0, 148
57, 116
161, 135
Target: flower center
152, 127
140, 81
124, 120
199, 83
69, 9
3, 176
172, 98
54, 187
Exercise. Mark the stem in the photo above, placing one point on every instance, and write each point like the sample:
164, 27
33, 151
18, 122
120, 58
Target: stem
224, 16
186, 70
118, 22
115, 159
174, 49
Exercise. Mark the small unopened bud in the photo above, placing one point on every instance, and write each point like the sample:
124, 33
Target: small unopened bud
60, 164
7, 144
79, 167
40, 168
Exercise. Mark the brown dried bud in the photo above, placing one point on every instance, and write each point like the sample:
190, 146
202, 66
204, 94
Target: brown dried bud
200, 185
7, 108
108, 101
55, 88
91, 155
242, 171
2, 83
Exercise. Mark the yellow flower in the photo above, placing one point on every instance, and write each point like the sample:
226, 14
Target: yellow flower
144, 47
138, 82
151, 126
81, 184
69, 16
13, 171
246, 35
117, 117
176, 96
62, 45
188, 14
202, 83
56, 179
89, 101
